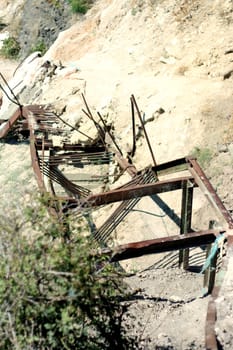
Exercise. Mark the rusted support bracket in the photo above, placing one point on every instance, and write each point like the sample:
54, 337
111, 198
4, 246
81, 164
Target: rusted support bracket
186, 217
132, 153
136, 191
68, 146
171, 167
35, 164
144, 129
209, 191
122, 162
165, 244
34, 154
36, 167
50, 182
4, 130
125, 165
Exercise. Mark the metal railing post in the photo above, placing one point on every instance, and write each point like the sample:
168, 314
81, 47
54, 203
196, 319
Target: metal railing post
186, 217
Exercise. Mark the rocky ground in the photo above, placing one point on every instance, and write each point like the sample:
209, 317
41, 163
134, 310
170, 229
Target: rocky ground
163, 309
35, 23
174, 56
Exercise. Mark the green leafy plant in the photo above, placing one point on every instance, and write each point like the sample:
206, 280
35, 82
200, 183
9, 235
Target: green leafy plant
10, 48
39, 46
55, 291
80, 6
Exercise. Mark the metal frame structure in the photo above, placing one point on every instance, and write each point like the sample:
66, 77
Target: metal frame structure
39, 122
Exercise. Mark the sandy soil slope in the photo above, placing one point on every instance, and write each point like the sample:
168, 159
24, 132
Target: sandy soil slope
175, 56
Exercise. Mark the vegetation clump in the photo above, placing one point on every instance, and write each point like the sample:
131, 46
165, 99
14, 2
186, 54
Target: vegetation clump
80, 6
10, 48
55, 293
39, 46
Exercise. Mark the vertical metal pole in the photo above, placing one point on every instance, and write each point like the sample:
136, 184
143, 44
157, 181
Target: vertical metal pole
144, 129
186, 218
212, 273
206, 274
51, 153
209, 276
133, 127
42, 170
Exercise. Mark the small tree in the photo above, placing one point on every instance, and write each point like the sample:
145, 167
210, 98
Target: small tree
53, 294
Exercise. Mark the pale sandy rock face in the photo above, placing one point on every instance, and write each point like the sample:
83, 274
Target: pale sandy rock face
9, 10
161, 52
24, 77
3, 36
169, 67
155, 51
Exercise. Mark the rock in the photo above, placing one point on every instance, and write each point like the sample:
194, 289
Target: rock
222, 148
41, 21
26, 76
175, 299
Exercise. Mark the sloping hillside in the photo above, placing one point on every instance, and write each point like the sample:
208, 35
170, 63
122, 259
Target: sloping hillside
176, 57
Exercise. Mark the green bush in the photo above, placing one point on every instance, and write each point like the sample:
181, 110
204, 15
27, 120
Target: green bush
55, 293
80, 6
10, 48
39, 46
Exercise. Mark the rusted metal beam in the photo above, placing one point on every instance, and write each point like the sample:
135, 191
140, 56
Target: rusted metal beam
144, 129
44, 118
69, 147
5, 128
125, 165
132, 153
50, 182
164, 244
122, 162
208, 190
136, 191
40, 109
186, 218
35, 165
172, 166
56, 175
110, 142
34, 153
